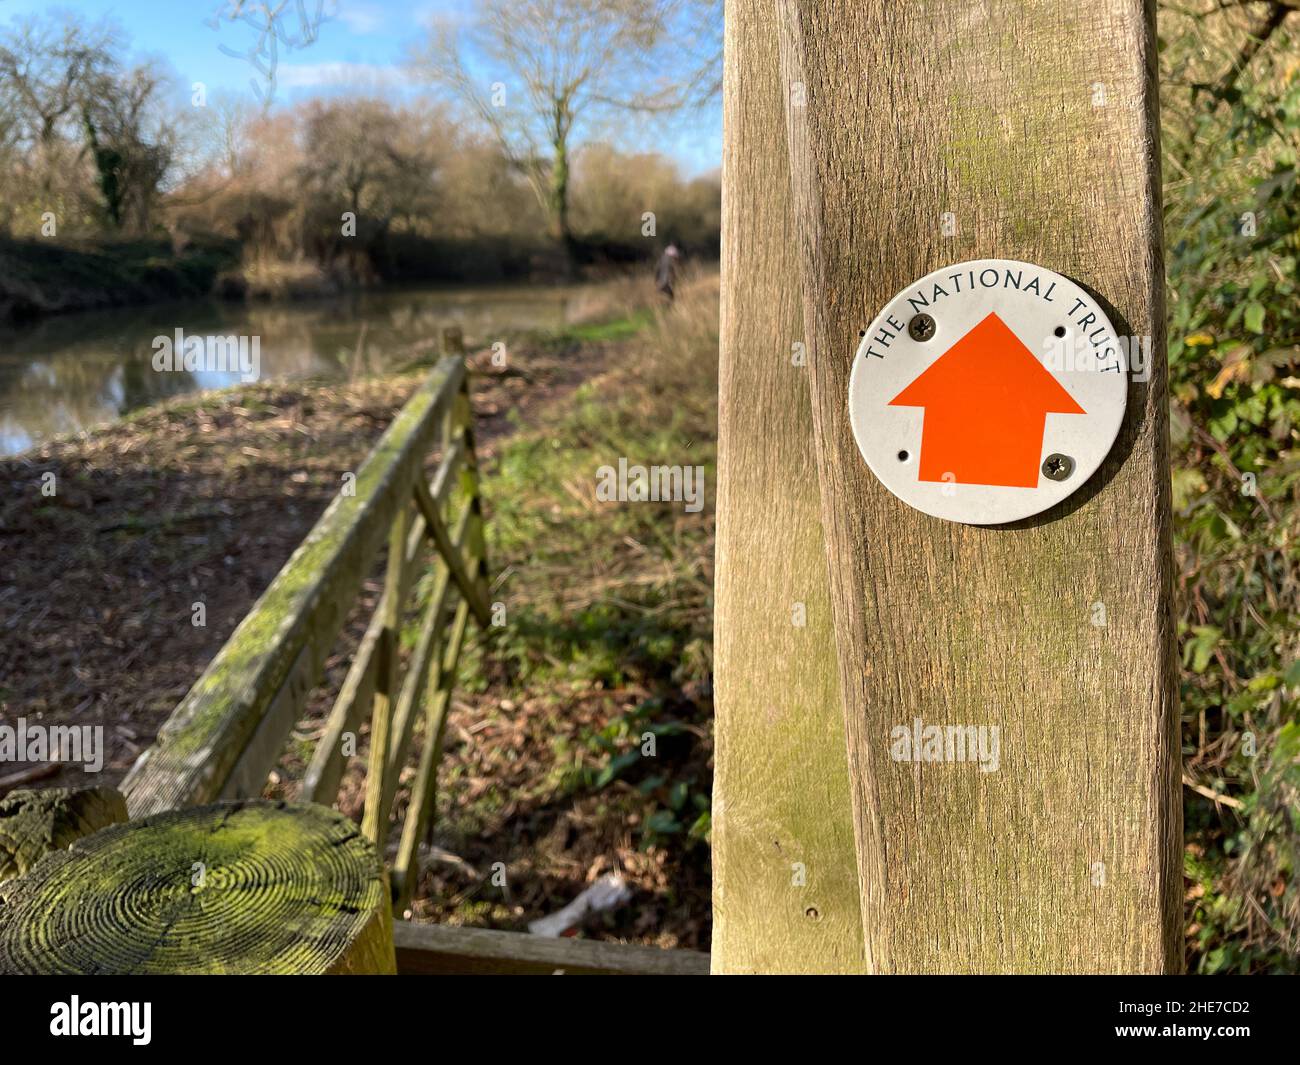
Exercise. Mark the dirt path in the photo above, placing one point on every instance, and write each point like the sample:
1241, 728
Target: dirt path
181, 514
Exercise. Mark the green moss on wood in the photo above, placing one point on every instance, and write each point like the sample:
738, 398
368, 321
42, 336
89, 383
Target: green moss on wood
253, 887
201, 742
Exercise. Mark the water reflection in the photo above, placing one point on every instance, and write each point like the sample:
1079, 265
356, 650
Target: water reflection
73, 372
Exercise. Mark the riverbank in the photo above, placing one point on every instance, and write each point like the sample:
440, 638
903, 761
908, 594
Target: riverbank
39, 277
202, 500
42, 277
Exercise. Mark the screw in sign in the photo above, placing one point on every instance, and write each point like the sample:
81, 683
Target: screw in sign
988, 391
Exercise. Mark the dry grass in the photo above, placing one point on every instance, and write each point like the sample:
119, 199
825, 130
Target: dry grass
608, 640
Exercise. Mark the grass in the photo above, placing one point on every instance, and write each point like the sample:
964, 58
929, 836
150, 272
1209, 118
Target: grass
621, 328
609, 593
591, 708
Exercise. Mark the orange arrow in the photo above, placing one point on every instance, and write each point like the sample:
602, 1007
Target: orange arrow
986, 403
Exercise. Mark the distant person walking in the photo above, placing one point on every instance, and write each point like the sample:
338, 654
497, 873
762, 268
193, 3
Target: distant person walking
666, 271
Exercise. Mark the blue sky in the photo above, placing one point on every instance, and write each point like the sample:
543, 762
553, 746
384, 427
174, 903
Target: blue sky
362, 43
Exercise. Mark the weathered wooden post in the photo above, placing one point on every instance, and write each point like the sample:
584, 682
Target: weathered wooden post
244, 887
785, 887
920, 136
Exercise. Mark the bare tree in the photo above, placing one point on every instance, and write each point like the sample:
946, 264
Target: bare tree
222, 134
352, 151
9, 122
542, 75
45, 67
365, 158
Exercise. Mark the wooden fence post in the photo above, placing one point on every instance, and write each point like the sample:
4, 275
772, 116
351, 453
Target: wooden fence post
785, 885
921, 135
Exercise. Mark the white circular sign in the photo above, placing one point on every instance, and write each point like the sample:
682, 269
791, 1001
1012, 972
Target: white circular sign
988, 391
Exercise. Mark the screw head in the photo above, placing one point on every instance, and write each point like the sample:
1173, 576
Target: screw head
921, 327
1058, 467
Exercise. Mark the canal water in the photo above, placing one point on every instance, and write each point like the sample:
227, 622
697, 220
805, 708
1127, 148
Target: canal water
72, 372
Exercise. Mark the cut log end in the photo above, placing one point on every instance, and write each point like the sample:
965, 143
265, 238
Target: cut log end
245, 887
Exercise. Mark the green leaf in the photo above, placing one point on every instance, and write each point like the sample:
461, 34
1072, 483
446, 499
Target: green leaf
1255, 317
616, 766
662, 823
1201, 647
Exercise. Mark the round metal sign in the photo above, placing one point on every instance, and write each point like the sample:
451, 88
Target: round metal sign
988, 391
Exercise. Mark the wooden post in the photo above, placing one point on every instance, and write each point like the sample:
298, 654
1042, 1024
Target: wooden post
920, 135
245, 887
785, 893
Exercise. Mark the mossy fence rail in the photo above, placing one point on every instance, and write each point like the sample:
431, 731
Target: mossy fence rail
228, 733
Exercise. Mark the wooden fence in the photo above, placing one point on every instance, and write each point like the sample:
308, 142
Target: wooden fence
229, 731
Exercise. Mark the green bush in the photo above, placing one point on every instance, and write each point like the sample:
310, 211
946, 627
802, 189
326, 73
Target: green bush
1232, 220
